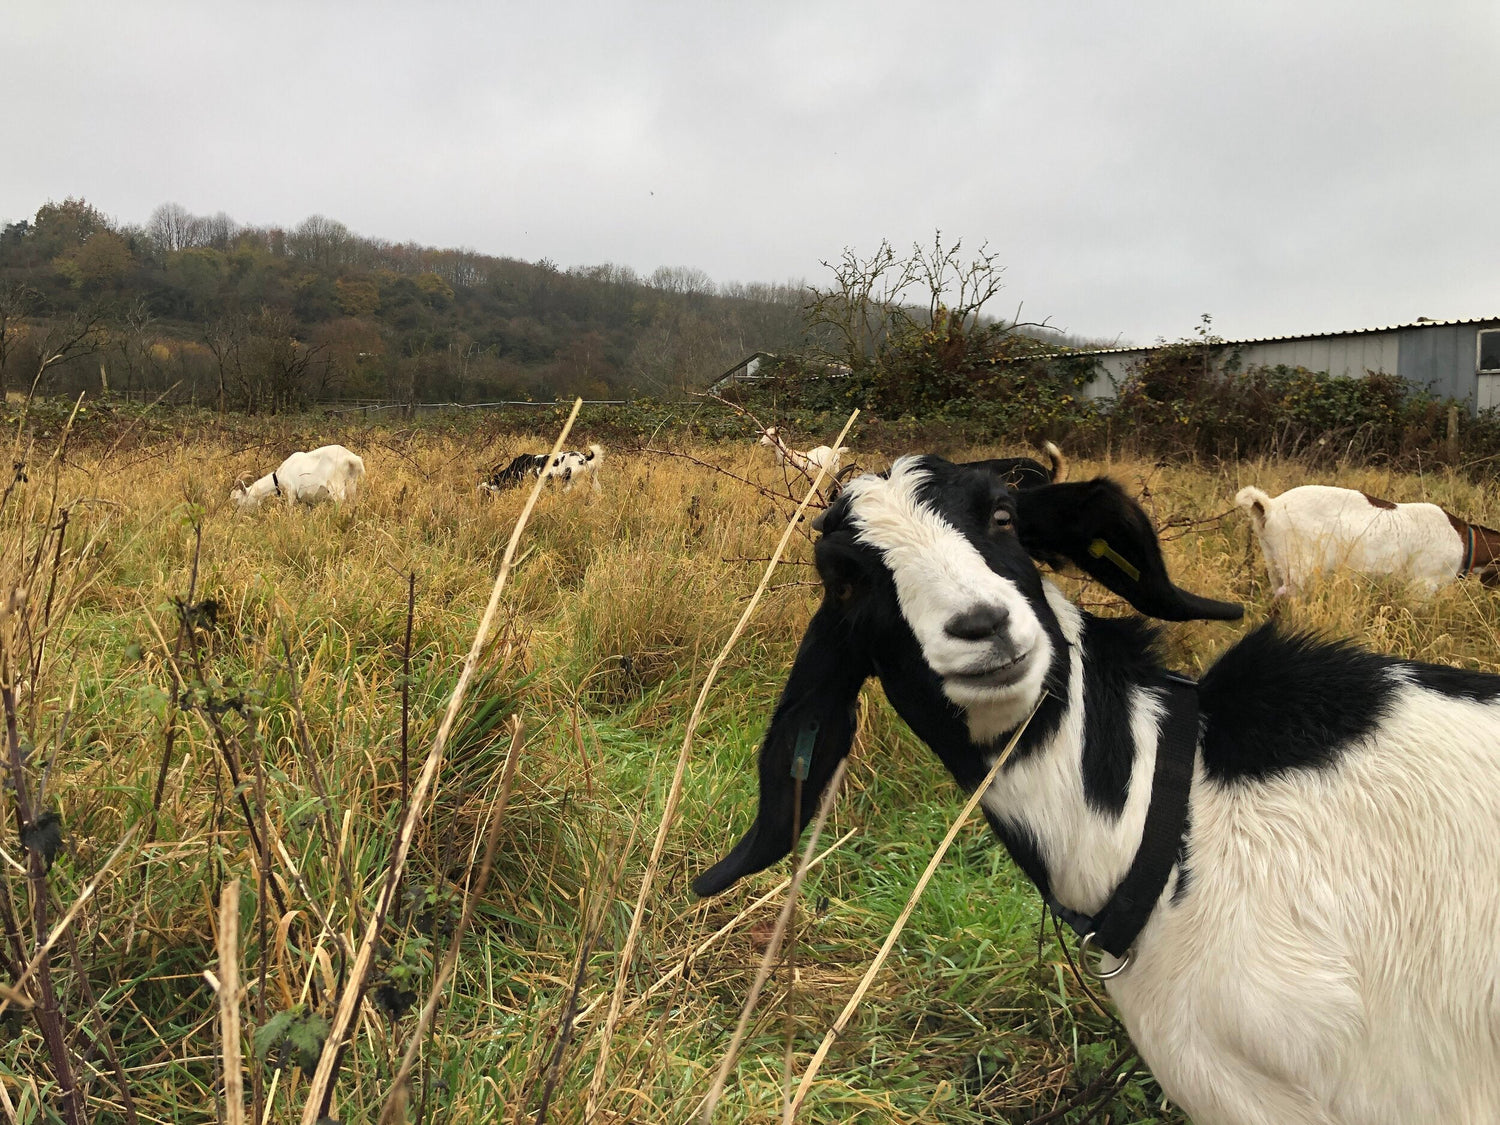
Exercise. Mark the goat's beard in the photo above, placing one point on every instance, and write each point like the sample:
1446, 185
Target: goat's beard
994, 709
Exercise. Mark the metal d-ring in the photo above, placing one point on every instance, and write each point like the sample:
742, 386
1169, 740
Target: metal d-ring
1092, 968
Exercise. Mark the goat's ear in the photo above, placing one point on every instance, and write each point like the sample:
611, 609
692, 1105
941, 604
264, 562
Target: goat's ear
812, 729
1096, 526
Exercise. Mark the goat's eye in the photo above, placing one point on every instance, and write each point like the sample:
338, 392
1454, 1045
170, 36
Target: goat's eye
1001, 520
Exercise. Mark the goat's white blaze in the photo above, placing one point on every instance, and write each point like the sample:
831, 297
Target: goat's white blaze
940, 575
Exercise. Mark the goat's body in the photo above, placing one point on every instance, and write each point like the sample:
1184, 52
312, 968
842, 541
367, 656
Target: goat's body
523, 465
1313, 529
824, 457
566, 468
330, 473
571, 467
1326, 954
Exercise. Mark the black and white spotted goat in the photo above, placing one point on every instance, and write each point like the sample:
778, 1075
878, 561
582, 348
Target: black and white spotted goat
1294, 865
568, 467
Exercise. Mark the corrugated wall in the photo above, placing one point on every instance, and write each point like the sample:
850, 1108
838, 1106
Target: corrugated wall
1442, 358
1338, 355
1439, 357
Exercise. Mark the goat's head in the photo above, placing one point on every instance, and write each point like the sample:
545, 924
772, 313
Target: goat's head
240, 494
770, 436
930, 581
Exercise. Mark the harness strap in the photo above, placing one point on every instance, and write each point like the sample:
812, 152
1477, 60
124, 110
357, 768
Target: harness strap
276, 484
1121, 919
1463, 567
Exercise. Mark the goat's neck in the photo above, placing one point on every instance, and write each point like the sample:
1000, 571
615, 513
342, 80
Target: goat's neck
1067, 823
1486, 546
262, 488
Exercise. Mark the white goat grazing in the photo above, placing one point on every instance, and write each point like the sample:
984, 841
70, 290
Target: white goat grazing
819, 457
329, 472
1312, 529
1294, 864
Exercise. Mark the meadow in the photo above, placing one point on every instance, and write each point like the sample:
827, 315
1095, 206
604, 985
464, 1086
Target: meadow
271, 741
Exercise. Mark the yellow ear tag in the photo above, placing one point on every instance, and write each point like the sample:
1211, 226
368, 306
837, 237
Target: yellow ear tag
1102, 550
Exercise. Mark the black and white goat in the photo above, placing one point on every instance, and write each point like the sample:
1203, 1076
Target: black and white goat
1294, 864
522, 466
568, 468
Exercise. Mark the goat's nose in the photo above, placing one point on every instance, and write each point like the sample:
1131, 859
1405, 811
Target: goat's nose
978, 624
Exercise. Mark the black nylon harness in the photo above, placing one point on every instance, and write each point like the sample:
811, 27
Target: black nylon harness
1121, 919
276, 484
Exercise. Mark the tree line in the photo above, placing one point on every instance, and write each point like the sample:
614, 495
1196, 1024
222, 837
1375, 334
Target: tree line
202, 309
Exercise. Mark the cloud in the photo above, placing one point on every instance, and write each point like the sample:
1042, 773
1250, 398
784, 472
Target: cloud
1286, 167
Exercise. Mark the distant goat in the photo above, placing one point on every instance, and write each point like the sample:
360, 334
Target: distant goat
1024, 472
819, 457
568, 467
523, 466
1315, 528
329, 472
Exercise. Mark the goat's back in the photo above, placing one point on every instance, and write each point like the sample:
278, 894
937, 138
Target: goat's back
1333, 958
1314, 529
330, 472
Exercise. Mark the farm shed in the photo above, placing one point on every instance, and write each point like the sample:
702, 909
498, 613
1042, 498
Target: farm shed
746, 370
1457, 359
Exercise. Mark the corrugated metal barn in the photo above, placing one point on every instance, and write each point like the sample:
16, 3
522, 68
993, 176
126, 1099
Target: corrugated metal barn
1457, 359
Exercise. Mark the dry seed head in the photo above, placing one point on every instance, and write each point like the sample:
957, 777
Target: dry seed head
15, 603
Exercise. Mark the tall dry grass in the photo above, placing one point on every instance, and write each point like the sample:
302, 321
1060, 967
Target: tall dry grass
615, 607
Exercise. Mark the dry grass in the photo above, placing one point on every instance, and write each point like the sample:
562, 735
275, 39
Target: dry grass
615, 607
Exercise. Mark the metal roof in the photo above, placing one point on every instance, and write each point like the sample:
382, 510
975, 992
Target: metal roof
1422, 323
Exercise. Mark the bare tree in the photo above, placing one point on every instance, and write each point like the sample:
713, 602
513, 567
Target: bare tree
80, 333
16, 303
873, 298
225, 337
170, 227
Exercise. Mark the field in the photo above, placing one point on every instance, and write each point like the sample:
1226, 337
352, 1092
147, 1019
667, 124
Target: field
616, 607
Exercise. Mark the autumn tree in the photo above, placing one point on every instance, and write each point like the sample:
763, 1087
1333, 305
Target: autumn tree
98, 263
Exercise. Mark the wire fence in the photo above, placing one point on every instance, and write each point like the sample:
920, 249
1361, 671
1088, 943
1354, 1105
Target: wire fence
375, 406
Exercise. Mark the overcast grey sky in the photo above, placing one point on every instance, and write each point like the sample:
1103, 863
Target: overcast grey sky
1285, 166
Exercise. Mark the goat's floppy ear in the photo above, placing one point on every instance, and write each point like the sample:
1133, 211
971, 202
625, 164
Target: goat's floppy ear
1095, 525
811, 730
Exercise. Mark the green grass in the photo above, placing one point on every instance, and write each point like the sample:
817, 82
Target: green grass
615, 611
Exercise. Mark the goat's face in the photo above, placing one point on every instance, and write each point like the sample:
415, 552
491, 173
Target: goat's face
242, 498
929, 583
955, 573
768, 437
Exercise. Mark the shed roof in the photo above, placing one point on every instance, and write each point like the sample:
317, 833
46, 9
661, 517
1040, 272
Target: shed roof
1420, 323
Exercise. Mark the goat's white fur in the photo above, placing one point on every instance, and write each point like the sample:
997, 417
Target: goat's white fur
1316, 528
329, 472
819, 457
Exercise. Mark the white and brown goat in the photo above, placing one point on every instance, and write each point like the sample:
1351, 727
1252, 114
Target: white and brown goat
1316, 528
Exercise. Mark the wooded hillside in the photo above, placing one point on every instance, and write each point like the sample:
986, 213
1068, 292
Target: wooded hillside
269, 319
